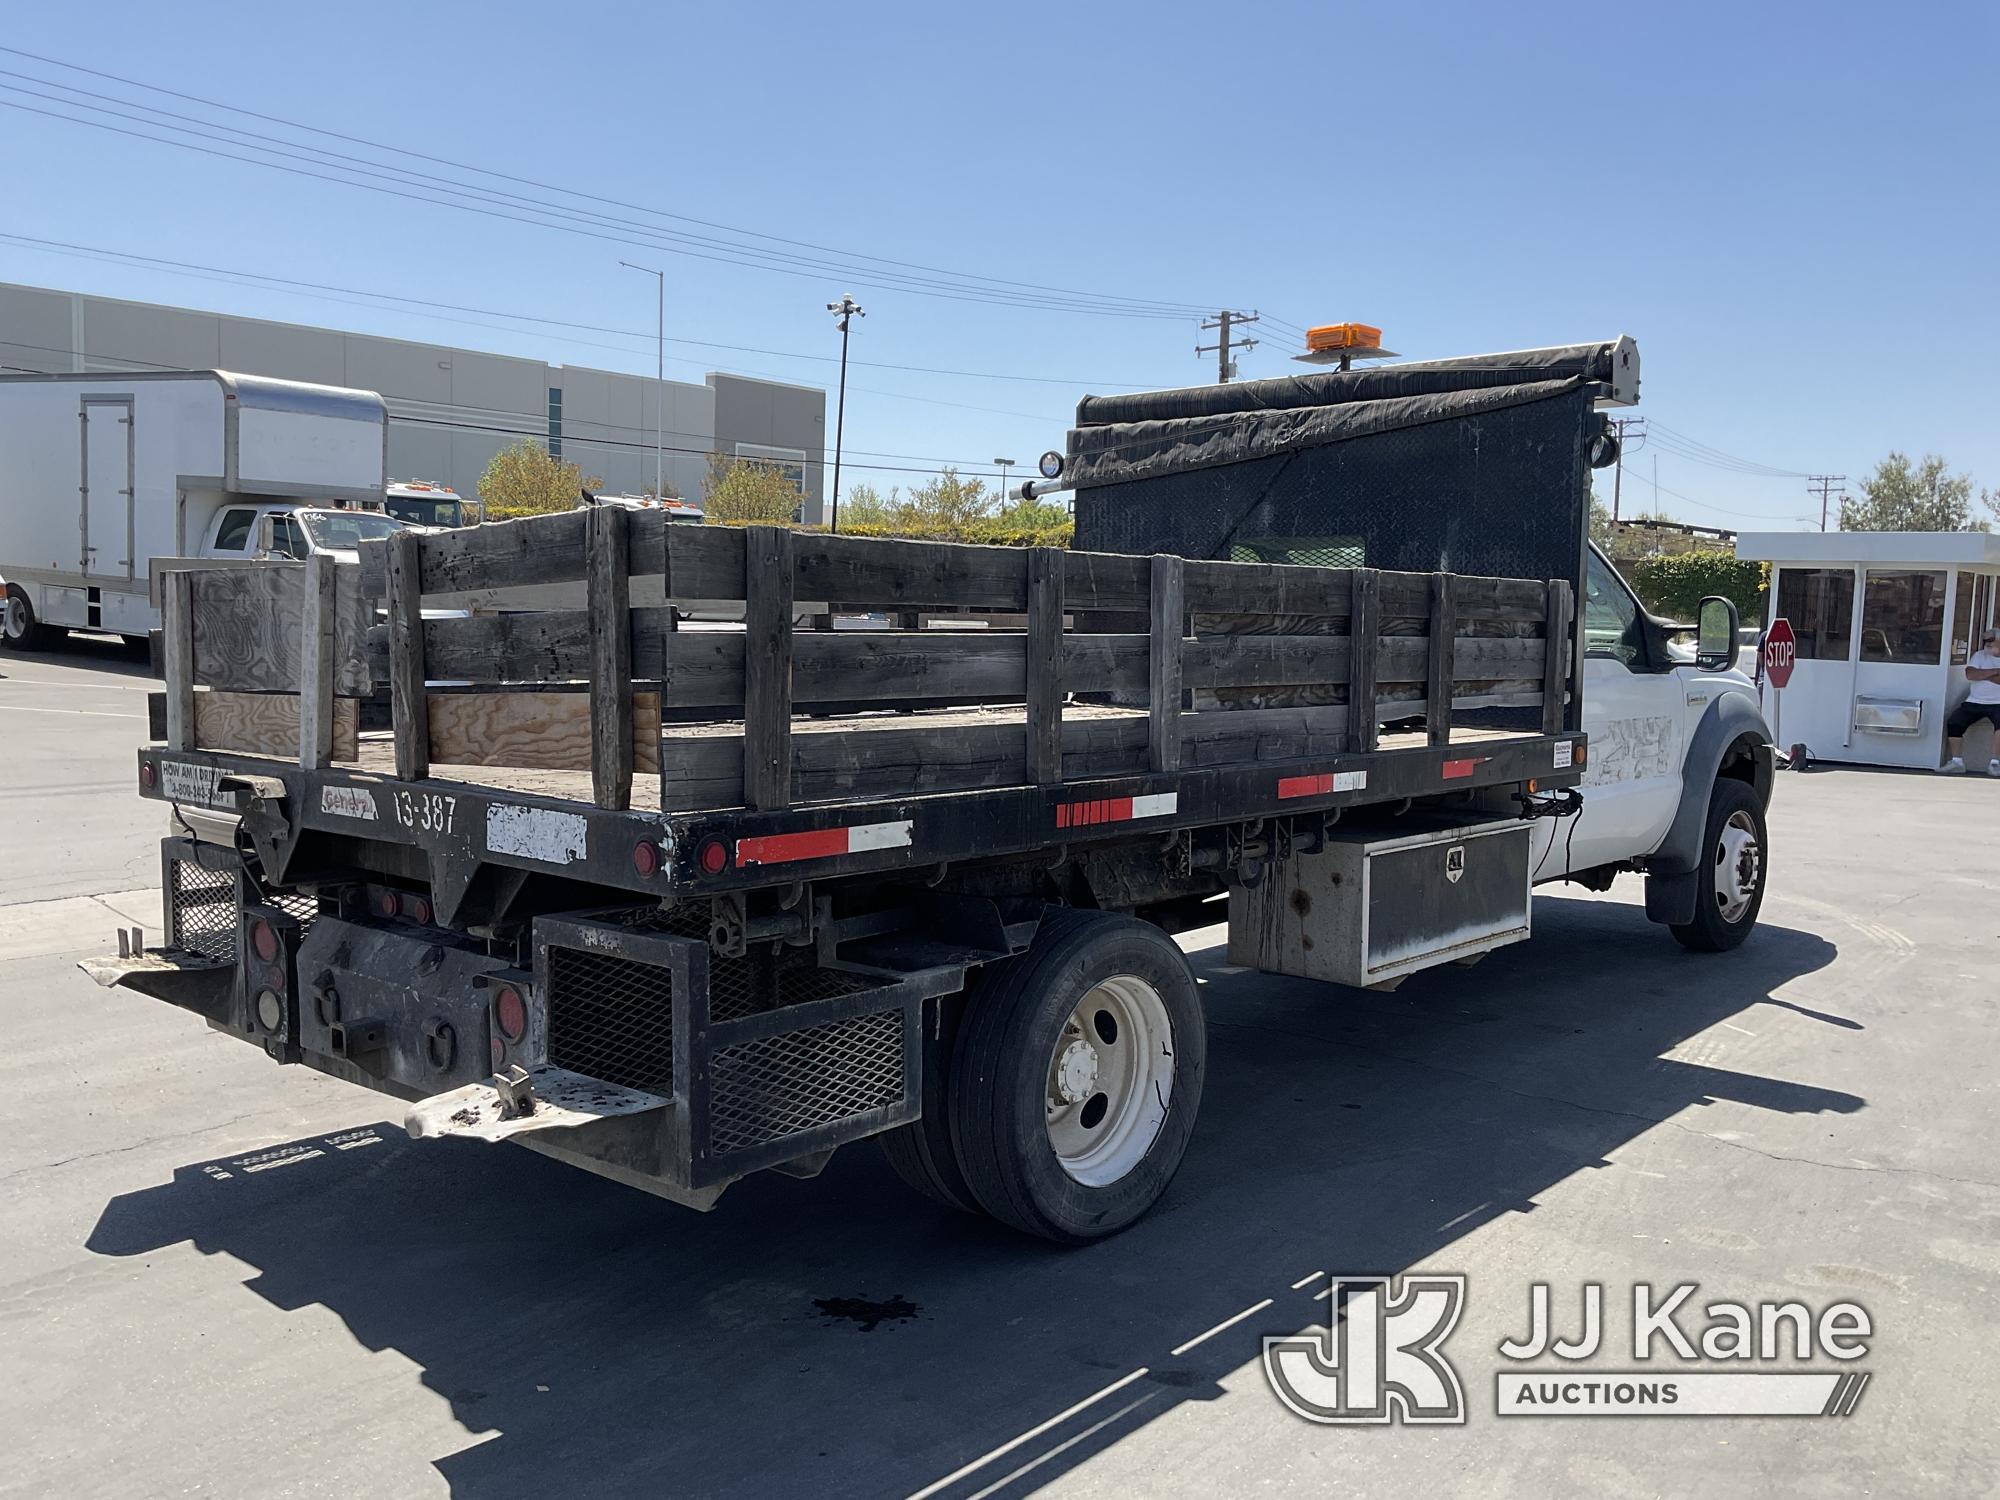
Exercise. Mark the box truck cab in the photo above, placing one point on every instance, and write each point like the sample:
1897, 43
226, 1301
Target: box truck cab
295, 532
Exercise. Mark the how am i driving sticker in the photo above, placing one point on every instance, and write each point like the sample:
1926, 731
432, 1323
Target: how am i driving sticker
1565, 753
181, 781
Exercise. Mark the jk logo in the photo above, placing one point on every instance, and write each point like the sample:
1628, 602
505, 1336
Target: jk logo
1379, 1360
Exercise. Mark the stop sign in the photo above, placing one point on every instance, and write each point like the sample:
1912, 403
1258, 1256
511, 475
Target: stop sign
1781, 651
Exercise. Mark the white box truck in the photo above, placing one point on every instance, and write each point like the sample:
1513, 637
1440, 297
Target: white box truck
103, 474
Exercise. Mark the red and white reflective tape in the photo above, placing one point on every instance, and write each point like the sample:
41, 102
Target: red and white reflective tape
1116, 809
1320, 785
1452, 770
822, 843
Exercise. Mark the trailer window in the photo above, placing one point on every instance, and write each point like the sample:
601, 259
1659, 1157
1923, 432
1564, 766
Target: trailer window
1610, 613
233, 535
1902, 617
1965, 619
1819, 603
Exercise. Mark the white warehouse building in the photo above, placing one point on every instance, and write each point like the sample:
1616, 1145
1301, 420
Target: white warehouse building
450, 409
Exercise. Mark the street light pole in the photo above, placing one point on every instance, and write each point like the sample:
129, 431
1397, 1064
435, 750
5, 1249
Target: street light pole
844, 309
660, 388
1003, 465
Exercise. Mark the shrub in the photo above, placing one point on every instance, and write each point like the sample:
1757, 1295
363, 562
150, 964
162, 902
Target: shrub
1675, 586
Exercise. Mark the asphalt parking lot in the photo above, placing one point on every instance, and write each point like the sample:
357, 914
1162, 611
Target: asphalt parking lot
218, 1277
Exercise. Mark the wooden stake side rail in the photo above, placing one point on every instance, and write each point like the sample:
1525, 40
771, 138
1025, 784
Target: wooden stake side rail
1280, 660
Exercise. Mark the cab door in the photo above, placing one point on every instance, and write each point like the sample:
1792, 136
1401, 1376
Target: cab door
1636, 717
106, 525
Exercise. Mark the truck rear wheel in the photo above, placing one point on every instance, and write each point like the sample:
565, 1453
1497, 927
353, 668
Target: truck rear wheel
19, 630
921, 1152
1077, 1078
1730, 883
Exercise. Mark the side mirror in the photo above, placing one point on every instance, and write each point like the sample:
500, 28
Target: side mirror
1715, 635
267, 535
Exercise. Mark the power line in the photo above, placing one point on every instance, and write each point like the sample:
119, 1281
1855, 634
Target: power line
1719, 458
899, 275
251, 277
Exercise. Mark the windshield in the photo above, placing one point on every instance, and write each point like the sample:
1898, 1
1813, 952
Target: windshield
423, 512
346, 530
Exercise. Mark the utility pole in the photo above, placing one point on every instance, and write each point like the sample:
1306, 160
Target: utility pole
1225, 321
1636, 426
844, 309
1823, 486
660, 389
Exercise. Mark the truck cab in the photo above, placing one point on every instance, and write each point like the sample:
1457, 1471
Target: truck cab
274, 531
422, 502
1666, 725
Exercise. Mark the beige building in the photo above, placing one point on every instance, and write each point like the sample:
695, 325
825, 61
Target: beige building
450, 409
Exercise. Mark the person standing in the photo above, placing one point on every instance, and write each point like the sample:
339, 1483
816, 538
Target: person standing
1982, 701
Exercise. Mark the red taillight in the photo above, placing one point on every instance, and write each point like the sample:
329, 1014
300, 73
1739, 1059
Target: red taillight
264, 940
498, 1051
510, 1013
714, 857
147, 775
388, 904
646, 858
417, 909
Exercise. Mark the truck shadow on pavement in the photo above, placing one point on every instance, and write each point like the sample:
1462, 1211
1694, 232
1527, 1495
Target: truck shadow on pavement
841, 1337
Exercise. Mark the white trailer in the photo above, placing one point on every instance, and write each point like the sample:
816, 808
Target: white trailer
101, 474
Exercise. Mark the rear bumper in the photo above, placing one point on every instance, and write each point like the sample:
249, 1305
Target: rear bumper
637, 1052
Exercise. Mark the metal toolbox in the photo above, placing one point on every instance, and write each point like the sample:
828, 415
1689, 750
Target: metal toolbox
1373, 905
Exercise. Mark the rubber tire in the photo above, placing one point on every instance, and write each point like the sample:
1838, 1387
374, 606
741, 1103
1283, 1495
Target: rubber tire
999, 1077
36, 637
1708, 933
921, 1152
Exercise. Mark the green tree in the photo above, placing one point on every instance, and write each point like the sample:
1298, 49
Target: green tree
525, 479
749, 489
1675, 585
1902, 496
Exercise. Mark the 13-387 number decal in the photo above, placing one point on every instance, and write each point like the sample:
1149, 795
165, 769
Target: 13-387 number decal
426, 812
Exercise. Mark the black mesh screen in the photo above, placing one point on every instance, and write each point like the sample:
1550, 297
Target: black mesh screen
1502, 493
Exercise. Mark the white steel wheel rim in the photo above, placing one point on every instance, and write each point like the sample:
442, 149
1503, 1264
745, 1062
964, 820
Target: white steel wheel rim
13, 616
1110, 1080
1738, 863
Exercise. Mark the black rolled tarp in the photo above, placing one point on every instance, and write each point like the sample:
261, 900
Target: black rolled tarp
1609, 362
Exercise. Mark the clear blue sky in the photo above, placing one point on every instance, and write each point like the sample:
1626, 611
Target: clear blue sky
1791, 207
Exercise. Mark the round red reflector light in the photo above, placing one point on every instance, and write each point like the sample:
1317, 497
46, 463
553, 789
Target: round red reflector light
264, 938
388, 904
510, 1013
646, 857
419, 909
714, 857
499, 1053
147, 775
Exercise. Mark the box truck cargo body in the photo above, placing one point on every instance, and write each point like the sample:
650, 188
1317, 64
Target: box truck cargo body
101, 474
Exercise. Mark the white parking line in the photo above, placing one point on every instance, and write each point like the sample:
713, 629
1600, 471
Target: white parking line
1225, 1323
